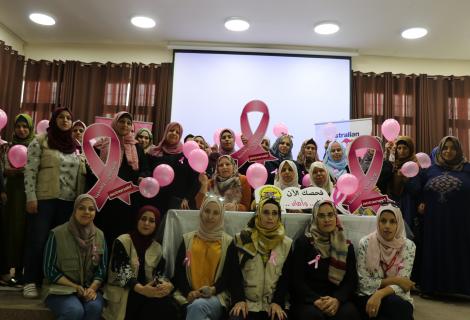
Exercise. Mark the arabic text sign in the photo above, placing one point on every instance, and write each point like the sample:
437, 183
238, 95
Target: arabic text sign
295, 198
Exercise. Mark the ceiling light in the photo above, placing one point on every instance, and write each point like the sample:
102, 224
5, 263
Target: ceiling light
41, 18
236, 24
414, 33
326, 28
143, 22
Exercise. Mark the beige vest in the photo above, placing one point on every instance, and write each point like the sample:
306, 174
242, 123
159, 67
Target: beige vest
69, 260
116, 296
47, 182
223, 297
260, 281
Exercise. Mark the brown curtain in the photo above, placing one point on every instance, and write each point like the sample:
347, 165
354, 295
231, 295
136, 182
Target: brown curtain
42, 84
150, 96
427, 107
116, 88
163, 100
11, 77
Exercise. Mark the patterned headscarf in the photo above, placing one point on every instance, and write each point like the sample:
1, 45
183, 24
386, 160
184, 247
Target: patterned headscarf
411, 157
215, 233
336, 168
328, 186
257, 239
457, 163
275, 148
151, 145
164, 147
331, 245
58, 139
230, 188
26, 118
386, 254
280, 183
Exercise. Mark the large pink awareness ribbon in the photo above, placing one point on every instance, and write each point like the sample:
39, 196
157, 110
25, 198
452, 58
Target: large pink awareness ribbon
253, 151
109, 185
367, 181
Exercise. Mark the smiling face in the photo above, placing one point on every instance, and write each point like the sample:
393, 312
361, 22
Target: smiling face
449, 152
269, 216
211, 215
64, 121
225, 167
124, 126
319, 176
144, 139
336, 151
388, 225
173, 136
287, 173
227, 141
265, 144
146, 224
284, 145
326, 218
21, 130
200, 142
85, 212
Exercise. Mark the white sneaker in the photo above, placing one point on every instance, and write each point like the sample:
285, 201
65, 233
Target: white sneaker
30, 291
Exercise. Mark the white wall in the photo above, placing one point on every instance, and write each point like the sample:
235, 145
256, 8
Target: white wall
99, 53
11, 39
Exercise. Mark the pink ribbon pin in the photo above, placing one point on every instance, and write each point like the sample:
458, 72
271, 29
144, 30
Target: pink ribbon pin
252, 150
181, 160
315, 261
187, 259
109, 185
272, 258
366, 181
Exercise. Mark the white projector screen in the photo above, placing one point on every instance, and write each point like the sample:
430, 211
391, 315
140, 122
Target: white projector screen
210, 90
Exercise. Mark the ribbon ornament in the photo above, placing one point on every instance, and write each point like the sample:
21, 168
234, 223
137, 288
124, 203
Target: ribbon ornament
252, 150
315, 261
273, 258
367, 181
109, 185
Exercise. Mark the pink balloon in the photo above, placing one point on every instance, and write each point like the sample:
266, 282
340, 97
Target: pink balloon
280, 129
330, 131
347, 184
306, 180
42, 126
3, 119
409, 169
18, 156
217, 136
164, 174
198, 160
424, 160
238, 139
256, 175
149, 187
188, 147
390, 129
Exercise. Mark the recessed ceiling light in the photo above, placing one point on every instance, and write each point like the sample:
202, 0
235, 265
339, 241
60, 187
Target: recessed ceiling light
236, 24
414, 33
41, 18
326, 28
143, 22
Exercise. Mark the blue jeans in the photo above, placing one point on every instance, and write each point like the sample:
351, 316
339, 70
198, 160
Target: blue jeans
51, 213
70, 307
203, 309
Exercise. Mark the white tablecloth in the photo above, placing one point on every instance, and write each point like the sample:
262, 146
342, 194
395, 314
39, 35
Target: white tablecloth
178, 222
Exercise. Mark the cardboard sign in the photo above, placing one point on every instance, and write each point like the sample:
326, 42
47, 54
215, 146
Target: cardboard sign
296, 198
268, 191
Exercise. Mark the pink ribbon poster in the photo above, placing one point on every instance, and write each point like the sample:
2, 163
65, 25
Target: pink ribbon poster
365, 195
252, 150
109, 185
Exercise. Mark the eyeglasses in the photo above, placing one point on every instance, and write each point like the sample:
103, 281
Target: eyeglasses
326, 216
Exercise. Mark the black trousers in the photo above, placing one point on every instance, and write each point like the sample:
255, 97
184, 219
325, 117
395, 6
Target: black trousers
392, 307
140, 307
346, 311
254, 316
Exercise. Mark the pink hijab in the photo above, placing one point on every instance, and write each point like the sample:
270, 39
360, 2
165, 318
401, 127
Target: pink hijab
164, 147
128, 143
386, 254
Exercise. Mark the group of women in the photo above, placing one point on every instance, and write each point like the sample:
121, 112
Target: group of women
43, 196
